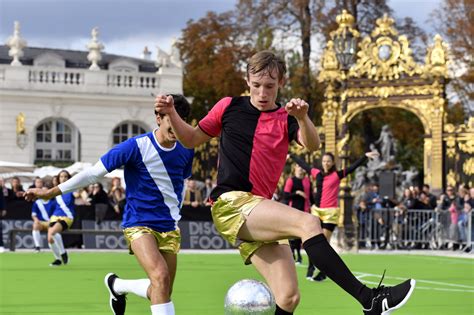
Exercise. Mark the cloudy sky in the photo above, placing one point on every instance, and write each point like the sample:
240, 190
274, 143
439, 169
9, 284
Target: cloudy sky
126, 26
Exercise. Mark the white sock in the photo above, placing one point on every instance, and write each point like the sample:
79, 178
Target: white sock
163, 309
36, 238
58, 239
54, 247
138, 287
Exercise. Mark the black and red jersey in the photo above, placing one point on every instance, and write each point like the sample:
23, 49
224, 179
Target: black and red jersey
253, 145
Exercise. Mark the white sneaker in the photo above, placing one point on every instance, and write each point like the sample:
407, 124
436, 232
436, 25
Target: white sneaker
2, 249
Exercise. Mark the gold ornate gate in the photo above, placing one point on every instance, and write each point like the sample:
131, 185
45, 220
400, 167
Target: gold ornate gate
385, 75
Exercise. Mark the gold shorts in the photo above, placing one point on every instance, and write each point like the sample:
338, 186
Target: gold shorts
167, 242
229, 214
65, 219
326, 215
44, 225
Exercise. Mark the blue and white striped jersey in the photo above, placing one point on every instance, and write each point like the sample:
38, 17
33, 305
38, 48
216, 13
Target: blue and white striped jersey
42, 209
64, 206
154, 176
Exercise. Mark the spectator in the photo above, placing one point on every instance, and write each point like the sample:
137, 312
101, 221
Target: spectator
408, 200
16, 192
3, 213
192, 196
445, 200
55, 180
37, 183
117, 195
463, 223
431, 197
423, 202
364, 223
3, 188
462, 192
100, 201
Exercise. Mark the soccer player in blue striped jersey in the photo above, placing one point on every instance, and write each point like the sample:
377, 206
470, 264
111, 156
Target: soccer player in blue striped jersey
155, 167
40, 213
60, 220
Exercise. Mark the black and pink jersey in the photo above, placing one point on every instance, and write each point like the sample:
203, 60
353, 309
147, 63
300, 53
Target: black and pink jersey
327, 184
253, 145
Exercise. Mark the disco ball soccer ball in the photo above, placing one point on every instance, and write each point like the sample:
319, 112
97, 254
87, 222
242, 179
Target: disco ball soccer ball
249, 296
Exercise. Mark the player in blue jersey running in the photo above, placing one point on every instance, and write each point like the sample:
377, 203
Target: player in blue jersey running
156, 166
61, 219
41, 210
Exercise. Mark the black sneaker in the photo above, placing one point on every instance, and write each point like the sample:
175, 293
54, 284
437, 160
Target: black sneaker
387, 299
37, 249
56, 263
117, 301
321, 276
65, 258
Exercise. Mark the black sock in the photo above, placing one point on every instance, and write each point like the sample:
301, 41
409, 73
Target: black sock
323, 256
279, 311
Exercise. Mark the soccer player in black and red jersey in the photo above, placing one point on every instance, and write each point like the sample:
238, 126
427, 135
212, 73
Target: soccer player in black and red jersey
254, 133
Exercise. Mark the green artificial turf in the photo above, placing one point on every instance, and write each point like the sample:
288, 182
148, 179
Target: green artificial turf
29, 286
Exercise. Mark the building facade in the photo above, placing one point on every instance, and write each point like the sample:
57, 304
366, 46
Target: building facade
61, 106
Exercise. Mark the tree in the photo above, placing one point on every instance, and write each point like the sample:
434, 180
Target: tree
454, 20
212, 53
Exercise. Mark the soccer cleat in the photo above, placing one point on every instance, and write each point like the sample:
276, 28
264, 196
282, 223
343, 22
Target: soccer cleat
117, 301
387, 299
65, 258
321, 276
37, 249
56, 263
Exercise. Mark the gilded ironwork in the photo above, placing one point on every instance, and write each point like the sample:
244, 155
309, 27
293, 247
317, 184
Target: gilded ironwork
386, 75
383, 56
468, 166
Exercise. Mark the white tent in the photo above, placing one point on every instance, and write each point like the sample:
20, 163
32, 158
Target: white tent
12, 167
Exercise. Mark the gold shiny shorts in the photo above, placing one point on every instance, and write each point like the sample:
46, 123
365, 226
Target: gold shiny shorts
167, 242
44, 225
326, 215
229, 214
65, 219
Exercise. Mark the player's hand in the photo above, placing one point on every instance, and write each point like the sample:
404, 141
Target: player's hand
297, 107
164, 104
372, 155
301, 193
35, 193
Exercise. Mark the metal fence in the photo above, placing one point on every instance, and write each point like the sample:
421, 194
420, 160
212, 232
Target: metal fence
395, 228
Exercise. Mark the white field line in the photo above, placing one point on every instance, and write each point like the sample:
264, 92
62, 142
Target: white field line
461, 287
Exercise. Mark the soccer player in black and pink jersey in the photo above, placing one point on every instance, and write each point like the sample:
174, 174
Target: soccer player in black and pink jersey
325, 205
254, 133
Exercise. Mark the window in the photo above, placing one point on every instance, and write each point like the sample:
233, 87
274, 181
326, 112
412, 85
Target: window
126, 130
56, 140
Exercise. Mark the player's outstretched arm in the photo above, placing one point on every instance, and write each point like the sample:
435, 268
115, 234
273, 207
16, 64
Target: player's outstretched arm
86, 177
188, 135
308, 135
35, 193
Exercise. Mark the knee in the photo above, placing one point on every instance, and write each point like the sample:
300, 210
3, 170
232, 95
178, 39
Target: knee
289, 300
160, 280
311, 226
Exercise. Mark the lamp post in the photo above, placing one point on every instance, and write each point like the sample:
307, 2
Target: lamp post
345, 44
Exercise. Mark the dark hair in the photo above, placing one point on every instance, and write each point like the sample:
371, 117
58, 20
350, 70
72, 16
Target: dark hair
333, 168
181, 105
426, 186
266, 61
64, 171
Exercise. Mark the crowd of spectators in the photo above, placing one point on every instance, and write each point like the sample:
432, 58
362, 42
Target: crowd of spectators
425, 220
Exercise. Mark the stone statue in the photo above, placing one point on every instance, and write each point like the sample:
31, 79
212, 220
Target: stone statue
386, 143
409, 177
374, 166
359, 179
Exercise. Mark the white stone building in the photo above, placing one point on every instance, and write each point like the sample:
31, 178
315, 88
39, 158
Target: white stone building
64, 106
